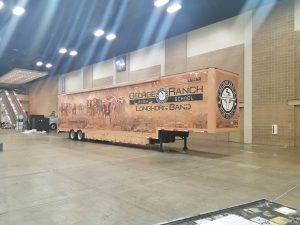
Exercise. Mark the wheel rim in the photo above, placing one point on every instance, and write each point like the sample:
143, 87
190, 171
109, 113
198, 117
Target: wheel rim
72, 134
80, 135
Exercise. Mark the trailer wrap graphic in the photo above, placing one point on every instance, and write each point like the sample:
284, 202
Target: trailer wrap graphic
155, 100
227, 99
184, 101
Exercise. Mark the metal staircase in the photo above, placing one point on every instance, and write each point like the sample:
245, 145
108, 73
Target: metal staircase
13, 109
17, 104
10, 113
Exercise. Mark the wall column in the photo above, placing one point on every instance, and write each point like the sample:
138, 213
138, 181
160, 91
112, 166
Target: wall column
248, 78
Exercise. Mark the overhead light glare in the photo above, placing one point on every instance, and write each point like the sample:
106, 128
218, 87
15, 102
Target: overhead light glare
63, 51
110, 36
73, 53
174, 8
1, 4
48, 65
98, 33
18, 11
39, 63
159, 3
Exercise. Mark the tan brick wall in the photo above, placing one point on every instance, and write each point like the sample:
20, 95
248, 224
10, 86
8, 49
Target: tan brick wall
274, 113
297, 126
297, 90
297, 63
43, 96
238, 136
274, 75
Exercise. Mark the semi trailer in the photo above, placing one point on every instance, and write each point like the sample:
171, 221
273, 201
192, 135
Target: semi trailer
155, 111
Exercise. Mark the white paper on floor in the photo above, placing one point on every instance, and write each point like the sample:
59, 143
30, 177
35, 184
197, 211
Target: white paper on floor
202, 221
263, 221
285, 210
33, 131
228, 220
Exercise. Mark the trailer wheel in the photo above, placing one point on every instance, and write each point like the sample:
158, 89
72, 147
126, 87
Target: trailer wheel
53, 126
80, 135
72, 135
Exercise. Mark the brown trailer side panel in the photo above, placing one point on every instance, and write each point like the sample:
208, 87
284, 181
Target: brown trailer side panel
135, 113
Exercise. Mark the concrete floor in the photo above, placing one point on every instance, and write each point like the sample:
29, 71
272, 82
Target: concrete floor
48, 179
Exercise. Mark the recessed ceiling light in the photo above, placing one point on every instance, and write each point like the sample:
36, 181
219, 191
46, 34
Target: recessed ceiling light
111, 36
48, 65
63, 51
98, 33
1, 4
159, 3
18, 11
174, 8
39, 63
73, 53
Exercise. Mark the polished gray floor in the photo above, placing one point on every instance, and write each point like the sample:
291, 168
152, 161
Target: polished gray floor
48, 179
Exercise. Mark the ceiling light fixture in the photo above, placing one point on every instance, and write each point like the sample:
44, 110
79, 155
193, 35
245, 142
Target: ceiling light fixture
73, 53
174, 8
1, 4
39, 63
48, 65
159, 3
63, 51
110, 36
18, 11
98, 33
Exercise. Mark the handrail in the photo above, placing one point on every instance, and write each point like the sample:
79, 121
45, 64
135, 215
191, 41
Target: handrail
18, 104
8, 108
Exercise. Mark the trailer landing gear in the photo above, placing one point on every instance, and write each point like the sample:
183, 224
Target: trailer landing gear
161, 149
165, 136
185, 148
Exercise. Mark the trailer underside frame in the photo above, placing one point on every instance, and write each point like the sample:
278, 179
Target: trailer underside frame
167, 136
164, 136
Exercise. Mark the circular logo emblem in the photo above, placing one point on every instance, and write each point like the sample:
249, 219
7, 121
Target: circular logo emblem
162, 95
227, 99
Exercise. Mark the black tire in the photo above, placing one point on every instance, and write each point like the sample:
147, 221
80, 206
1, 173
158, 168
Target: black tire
72, 135
80, 135
53, 126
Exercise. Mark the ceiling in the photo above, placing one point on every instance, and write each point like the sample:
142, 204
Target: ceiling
49, 25
20, 76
